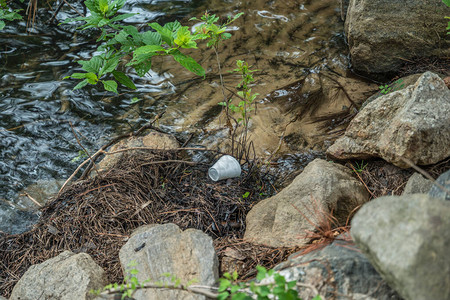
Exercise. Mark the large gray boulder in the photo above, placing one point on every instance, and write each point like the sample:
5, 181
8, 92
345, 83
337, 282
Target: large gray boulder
412, 123
321, 189
165, 249
407, 239
383, 34
337, 269
436, 190
68, 276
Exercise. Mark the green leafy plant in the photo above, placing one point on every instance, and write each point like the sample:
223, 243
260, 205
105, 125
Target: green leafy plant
245, 106
360, 166
125, 46
279, 288
8, 14
81, 155
386, 89
215, 34
130, 285
276, 288
447, 2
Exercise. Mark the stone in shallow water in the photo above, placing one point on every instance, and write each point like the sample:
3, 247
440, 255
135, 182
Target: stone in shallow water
412, 123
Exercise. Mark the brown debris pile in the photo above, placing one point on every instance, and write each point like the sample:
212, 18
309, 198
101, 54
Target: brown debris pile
384, 179
97, 215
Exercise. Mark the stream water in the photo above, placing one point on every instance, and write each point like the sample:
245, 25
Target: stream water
297, 46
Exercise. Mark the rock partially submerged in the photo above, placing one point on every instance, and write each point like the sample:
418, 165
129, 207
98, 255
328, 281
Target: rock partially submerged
66, 276
383, 34
407, 240
412, 123
321, 189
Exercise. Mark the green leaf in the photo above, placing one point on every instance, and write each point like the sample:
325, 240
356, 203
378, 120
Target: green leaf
124, 79
224, 285
109, 66
241, 296
131, 30
103, 5
261, 273
2, 25
223, 296
78, 75
188, 62
151, 38
122, 17
134, 100
91, 5
110, 85
103, 22
81, 84
148, 49
93, 65
446, 2
184, 38
133, 272
143, 67
226, 35
166, 34
234, 289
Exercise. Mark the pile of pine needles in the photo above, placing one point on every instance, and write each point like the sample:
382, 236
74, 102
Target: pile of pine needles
97, 215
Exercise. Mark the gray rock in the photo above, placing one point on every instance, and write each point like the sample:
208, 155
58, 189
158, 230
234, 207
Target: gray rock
417, 184
406, 238
383, 34
187, 255
438, 192
412, 123
284, 219
67, 276
337, 269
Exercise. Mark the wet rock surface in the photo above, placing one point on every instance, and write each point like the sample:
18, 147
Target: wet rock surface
406, 238
322, 188
412, 123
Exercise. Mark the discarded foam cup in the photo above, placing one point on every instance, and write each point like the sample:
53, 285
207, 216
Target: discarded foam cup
226, 167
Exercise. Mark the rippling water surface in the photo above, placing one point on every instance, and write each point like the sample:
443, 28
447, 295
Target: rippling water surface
290, 42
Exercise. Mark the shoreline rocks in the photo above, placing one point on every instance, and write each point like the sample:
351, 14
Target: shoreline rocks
323, 188
382, 35
412, 123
